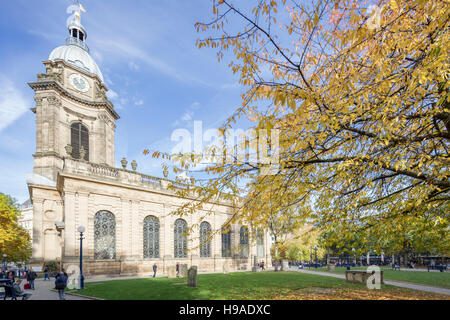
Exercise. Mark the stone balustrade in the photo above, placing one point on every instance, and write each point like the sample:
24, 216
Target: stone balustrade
84, 168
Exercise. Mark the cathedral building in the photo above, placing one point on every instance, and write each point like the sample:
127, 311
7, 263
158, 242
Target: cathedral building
126, 214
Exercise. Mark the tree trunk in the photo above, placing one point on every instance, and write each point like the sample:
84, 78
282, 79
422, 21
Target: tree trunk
276, 253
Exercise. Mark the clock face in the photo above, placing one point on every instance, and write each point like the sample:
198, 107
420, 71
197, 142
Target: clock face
79, 82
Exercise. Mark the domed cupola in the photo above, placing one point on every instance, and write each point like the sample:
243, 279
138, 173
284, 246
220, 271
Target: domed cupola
76, 51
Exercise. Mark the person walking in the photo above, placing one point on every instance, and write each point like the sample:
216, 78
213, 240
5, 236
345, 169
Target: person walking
154, 270
31, 276
11, 276
60, 285
178, 269
46, 274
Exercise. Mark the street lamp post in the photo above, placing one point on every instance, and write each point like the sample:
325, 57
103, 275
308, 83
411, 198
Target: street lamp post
310, 256
81, 230
4, 262
315, 253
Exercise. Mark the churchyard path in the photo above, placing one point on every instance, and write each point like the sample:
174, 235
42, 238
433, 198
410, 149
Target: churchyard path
43, 291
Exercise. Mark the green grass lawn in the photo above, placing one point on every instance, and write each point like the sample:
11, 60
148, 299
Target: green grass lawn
238, 285
438, 279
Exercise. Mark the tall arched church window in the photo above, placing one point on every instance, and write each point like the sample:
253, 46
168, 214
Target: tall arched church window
79, 138
243, 236
151, 237
180, 239
104, 235
205, 243
226, 242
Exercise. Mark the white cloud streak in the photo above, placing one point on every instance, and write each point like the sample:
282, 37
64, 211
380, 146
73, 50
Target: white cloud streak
12, 103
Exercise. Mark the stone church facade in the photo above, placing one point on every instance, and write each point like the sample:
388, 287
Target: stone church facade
126, 214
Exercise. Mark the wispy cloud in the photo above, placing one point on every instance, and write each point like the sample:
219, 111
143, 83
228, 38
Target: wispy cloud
133, 66
187, 115
124, 49
111, 94
12, 103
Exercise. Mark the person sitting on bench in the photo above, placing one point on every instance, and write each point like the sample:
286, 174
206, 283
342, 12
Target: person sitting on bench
19, 292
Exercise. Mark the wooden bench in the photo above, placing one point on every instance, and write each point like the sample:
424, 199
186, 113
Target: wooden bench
360, 276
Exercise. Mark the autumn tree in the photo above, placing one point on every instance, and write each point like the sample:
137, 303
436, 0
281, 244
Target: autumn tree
359, 96
15, 241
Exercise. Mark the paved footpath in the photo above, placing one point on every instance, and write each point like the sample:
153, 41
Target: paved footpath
43, 291
389, 282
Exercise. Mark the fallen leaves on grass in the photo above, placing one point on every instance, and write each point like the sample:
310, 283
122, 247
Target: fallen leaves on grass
315, 293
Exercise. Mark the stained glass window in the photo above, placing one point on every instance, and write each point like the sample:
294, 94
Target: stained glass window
260, 244
180, 239
226, 242
205, 243
151, 237
104, 235
244, 242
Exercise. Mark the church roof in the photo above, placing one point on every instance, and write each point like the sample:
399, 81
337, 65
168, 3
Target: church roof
78, 57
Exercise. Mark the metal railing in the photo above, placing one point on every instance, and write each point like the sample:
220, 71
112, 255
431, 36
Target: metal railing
77, 42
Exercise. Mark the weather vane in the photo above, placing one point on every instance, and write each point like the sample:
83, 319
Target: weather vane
75, 8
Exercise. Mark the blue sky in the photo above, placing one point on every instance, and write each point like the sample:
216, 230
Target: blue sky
158, 79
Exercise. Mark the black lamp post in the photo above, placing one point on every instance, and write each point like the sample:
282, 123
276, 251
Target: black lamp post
310, 256
315, 252
4, 262
81, 230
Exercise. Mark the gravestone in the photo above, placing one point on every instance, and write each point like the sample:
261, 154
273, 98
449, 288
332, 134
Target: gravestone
192, 277
226, 267
183, 270
361, 276
284, 265
171, 272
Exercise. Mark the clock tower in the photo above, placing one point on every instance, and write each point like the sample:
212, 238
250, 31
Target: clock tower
74, 118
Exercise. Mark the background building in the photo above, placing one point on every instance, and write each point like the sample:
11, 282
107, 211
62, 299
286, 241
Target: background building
26, 218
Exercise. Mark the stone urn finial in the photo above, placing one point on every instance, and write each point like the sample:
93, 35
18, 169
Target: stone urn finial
124, 162
69, 150
134, 165
165, 172
82, 153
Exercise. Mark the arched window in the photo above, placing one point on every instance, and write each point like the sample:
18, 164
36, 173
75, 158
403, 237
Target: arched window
226, 242
79, 138
180, 239
104, 235
244, 242
151, 237
205, 243
260, 244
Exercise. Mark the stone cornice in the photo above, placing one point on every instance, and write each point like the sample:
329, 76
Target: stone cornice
52, 84
47, 154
